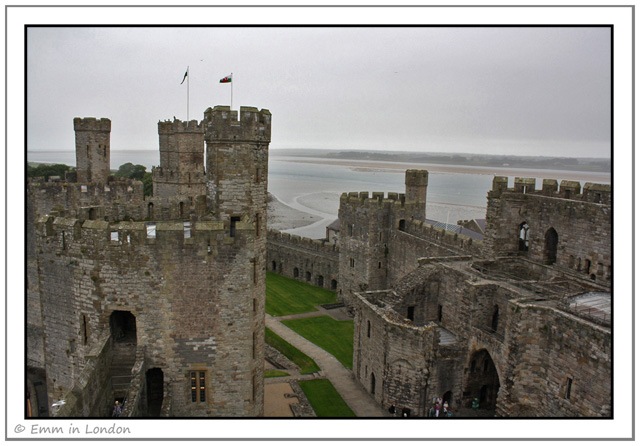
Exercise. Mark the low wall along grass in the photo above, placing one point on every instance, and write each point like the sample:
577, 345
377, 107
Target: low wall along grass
304, 363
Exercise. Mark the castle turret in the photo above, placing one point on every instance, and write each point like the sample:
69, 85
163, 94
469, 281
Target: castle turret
181, 170
93, 159
416, 182
237, 161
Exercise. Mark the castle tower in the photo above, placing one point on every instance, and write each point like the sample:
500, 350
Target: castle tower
93, 159
236, 181
237, 161
181, 170
416, 182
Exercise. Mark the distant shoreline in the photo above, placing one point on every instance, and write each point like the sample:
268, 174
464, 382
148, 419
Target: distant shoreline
507, 171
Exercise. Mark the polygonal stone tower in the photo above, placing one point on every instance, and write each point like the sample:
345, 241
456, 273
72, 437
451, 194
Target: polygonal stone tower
93, 159
181, 170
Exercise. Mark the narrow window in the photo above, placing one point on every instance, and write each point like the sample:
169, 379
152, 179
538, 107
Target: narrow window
567, 393
307, 276
202, 387
255, 270
410, 312
64, 243
258, 223
350, 229
296, 272
83, 188
150, 210
494, 318
368, 329
402, 225
253, 347
181, 208
258, 176
273, 265
232, 229
85, 333
379, 265
198, 386
352, 262
114, 236
550, 246
439, 313
587, 266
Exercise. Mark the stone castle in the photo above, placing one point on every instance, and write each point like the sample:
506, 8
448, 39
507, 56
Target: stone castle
516, 322
158, 302
155, 302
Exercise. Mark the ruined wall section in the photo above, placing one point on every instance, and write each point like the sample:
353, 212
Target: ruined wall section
560, 368
181, 171
303, 259
183, 292
580, 223
392, 358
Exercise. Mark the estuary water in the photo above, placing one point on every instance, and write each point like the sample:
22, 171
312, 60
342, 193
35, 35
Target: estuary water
314, 185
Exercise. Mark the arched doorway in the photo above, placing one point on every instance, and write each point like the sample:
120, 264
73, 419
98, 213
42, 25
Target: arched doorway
550, 246
482, 381
155, 391
123, 327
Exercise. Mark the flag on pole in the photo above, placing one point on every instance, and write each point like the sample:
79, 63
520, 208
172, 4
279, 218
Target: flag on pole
186, 73
226, 79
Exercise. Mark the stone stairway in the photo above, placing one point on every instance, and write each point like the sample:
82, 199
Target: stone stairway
124, 356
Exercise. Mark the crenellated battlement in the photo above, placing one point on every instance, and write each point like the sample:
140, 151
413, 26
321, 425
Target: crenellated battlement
373, 199
440, 236
90, 237
178, 126
566, 189
222, 124
301, 242
91, 124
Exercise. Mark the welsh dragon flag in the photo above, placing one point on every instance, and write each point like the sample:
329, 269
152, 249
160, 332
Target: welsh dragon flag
226, 80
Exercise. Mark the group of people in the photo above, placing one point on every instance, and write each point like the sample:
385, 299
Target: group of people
440, 409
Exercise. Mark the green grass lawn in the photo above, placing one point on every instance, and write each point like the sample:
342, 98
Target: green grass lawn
325, 399
274, 373
288, 296
305, 363
336, 337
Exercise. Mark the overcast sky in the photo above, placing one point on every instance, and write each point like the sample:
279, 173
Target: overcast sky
540, 91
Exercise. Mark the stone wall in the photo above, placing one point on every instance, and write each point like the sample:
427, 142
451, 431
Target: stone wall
306, 260
576, 225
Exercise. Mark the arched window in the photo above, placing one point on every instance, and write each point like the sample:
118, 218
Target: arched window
523, 237
494, 318
550, 246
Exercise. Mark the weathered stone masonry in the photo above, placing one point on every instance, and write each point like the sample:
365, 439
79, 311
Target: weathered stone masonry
180, 276
507, 321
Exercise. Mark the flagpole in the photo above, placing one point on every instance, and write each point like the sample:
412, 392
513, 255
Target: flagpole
231, 105
188, 93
